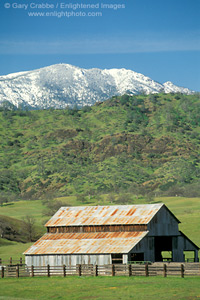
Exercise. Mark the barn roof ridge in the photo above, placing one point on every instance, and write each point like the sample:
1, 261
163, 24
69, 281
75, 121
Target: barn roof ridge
115, 205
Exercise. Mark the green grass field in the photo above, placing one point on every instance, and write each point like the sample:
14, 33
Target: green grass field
20, 209
100, 288
187, 210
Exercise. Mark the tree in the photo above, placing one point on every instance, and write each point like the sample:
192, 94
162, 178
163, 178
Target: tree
29, 228
111, 198
6, 197
2, 201
81, 198
98, 198
2, 230
52, 207
150, 197
124, 198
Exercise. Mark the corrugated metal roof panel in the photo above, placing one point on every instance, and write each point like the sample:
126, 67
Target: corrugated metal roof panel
84, 243
104, 215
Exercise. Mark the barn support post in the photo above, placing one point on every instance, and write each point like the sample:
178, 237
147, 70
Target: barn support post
165, 270
17, 271
146, 270
64, 270
113, 270
129, 270
2, 272
96, 270
48, 270
79, 270
196, 256
32, 271
182, 270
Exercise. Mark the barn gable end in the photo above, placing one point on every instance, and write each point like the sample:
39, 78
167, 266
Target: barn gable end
164, 223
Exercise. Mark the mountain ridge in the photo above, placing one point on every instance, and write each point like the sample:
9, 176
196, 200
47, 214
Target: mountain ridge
63, 85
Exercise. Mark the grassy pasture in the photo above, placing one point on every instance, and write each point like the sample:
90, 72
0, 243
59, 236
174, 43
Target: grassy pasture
100, 288
35, 208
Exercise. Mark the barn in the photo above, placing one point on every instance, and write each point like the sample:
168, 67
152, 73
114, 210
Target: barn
109, 235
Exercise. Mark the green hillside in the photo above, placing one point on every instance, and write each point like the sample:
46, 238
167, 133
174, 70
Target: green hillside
139, 144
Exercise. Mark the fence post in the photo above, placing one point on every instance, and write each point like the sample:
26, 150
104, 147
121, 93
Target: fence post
0, 261
113, 270
48, 270
17, 271
64, 271
146, 270
96, 270
129, 270
32, 271
20, 260
2, 272
165, 270
10, 260
182, 270
79, 270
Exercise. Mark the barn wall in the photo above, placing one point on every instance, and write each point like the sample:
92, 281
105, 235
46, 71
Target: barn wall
67, 259
146, 246
125, 258
163, 223
180, 244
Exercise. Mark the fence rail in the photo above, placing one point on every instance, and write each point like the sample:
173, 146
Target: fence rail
154, 269
12, 261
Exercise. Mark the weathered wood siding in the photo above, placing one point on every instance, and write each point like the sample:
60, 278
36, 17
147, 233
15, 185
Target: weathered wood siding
163, 223
182, 243
67, 259
98, 228
146, 246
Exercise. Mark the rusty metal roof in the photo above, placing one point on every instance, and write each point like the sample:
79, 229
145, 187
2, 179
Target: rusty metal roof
104, 215
86, 243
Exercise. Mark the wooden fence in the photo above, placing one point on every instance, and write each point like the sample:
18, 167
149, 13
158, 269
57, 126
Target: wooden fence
154, 269
12, 261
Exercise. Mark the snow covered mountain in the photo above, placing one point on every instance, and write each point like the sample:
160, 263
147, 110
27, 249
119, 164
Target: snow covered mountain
64, 85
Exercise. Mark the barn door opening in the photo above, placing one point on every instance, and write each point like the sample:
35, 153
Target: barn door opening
117, 258
162, 243
137, 257
189, 256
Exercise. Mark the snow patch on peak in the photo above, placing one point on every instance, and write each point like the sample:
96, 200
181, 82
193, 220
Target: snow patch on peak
64, 85
169, 87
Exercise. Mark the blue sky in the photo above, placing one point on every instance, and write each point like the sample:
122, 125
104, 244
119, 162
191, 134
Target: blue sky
158, 38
